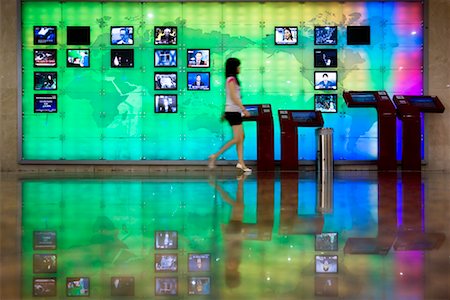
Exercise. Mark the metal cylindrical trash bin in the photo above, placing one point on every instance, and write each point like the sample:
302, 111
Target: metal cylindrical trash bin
324, 137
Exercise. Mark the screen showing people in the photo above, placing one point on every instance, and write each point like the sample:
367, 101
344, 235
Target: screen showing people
122, 35
165, 35
45, 81
165, 103
78, 58
166, 240
326, 263
122, 58
44, 35
286, 35
325, 80
165, 81
198, 58
44, 58
325, 58
325, 35
198, 81
326, 103
166, 262
165, 58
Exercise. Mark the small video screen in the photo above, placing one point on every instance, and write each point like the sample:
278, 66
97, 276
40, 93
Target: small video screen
286, 35
326, 103
122, 35
45, 103
199, 262
166, 35
358, 35
304, 116
326, 241
166, 262
325, 35
77, 286
252, 110
165, 58
166, 240
122, 286
45, 58
44, 240
78, 58
199, 285
122, 58
44, 263
326, 286
165, 80
166, 103
198, 58
44, 287
325, 80
166, 286
361, 97
78, 35
325, 58
198, 81
44, 35
45, 81
326, 263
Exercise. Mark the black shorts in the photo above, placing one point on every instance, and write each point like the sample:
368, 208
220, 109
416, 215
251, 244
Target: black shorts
234, 118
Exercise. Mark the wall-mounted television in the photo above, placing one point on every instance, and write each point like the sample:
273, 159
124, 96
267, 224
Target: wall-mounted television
199, 262
165, 57
166, 286
77, 286
326, 264
44, 263
198, 58
166, 239
326, 241
45, 81
325, 58
198, 81
78, 35
45, 103
325, 35
122, 286
44, 287
45, 58
325, 80
122, 58
165, 35
166, 262
44, 35
166, 103
122, 35
326, 103
286, 35
44, 240
199, 285
165, 80
78, 58
358, 35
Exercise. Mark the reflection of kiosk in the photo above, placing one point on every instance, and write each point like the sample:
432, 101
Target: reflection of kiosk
408, 110
262, 114
386, 123
289, 121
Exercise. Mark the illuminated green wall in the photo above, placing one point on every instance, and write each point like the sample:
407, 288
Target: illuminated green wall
99, 121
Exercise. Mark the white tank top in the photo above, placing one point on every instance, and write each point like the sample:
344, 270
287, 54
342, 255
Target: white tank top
230, 106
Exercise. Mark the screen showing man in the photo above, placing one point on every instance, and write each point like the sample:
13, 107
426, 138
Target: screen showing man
325, 80
166, 35
122, 35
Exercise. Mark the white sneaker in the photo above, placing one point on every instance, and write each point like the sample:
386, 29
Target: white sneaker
244, 169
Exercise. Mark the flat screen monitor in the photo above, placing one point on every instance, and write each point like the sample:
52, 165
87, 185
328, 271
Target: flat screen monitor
198, 58
166, 103
253, 110
326, 264
199, 262
368, 98
326, 103
77, 287
422, 102
122, 58
198, 81
326, 286
45, 103
44, 35
327, 241
78, 58
304, 116
44, 240
78, 35
165, 35
44, 263
199, 285
325, 35
122, 35
165, 57
45, 81
325, 58
358, 35
167, 239
166, 286
166, 262
44, 287
286, 35
45, 58
122, 286
165, 80
325, 80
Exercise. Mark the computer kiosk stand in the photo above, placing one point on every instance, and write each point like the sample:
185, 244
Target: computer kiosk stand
262, 114
408, 110
387, 135
290, 120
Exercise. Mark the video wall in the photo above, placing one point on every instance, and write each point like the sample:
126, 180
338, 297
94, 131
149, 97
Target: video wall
144, 81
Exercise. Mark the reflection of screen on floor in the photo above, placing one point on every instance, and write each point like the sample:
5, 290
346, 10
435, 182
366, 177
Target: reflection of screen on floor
166, 240
326, 263
166, 285
166, 262
44, 287
199, 262
77, 286
44, 240
44, 263
122, 286
199, 285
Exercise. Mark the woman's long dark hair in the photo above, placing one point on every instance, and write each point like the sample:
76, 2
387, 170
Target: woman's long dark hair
231, 66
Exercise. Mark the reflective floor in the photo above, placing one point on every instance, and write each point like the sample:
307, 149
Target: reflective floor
200, 235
